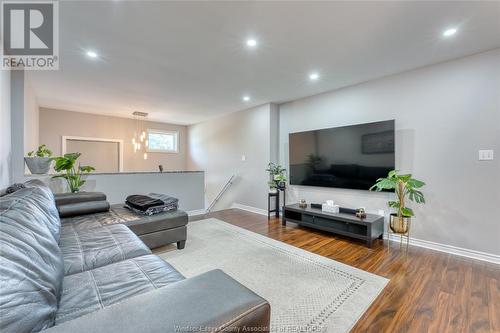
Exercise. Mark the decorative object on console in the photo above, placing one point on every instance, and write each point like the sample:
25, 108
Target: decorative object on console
361, 213
330, 207
160, 167
72, 174
405, 187
302, 203
38, 161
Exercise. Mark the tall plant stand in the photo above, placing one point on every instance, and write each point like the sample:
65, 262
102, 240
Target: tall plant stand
276, 209
401, 235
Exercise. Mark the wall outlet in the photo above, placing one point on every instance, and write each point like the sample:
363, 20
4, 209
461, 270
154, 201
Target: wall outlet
486, 155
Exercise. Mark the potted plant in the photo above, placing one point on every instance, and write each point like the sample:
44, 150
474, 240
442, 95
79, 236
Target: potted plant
272, 186
38, 161
277, 177
67, 166
405, 187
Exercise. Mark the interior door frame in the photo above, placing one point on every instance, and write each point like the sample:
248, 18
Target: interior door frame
64, 138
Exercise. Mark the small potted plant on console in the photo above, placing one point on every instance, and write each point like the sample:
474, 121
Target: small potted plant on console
405, 187
38, 161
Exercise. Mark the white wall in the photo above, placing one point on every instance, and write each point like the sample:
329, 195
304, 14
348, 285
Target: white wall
31, 117
17, 126
5, 126
217, 147
444, 114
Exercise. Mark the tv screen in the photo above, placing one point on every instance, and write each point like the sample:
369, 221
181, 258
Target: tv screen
351, 157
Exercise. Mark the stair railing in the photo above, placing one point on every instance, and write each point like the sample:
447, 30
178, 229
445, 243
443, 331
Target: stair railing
222, 191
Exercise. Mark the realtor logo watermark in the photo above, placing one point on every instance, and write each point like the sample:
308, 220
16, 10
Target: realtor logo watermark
30, 35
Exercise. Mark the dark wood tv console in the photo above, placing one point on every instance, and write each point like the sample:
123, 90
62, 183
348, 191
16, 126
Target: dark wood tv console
344, 223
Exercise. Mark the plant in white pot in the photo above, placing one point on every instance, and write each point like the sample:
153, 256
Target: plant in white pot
405, 187
38, 161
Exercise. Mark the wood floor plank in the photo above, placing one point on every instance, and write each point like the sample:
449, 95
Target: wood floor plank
428, 291
494, 304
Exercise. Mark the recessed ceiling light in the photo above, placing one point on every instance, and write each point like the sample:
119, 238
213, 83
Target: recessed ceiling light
246, 98
449, 32
251, 42
91, 54
313, 76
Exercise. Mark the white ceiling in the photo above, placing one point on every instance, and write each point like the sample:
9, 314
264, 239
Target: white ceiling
185, 62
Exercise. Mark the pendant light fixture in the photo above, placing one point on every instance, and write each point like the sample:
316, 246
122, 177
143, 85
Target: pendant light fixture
139, 140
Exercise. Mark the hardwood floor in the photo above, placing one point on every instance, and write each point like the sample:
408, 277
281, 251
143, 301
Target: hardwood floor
429, 291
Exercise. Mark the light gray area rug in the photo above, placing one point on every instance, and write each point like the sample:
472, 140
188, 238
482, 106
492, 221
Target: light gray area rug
307, 292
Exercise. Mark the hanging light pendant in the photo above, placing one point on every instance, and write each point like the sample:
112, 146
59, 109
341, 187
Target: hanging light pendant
139, 133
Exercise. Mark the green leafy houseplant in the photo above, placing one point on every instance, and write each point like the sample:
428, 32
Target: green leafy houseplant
277, 176
38, 161
405, 187
42, 151
73, 174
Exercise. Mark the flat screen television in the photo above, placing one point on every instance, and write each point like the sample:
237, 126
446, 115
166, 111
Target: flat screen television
352, 157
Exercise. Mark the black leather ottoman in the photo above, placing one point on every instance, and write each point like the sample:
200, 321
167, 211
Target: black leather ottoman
156, 230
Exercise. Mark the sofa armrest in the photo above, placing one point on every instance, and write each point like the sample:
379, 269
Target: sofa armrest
210, 302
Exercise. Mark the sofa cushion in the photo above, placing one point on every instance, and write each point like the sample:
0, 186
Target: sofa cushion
31, 263
43, 199
85, 247
95, 289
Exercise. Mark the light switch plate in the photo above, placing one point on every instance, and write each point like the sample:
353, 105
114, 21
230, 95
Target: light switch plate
486, 155
243, 157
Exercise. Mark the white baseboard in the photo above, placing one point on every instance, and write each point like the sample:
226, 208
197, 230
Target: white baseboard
196, 212
249, 209
455, 250
458, 251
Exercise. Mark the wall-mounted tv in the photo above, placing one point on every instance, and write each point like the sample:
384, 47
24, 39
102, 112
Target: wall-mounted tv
351, 157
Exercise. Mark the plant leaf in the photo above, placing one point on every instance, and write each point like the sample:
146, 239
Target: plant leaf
407, 212
415, 183
86, 168
393, 204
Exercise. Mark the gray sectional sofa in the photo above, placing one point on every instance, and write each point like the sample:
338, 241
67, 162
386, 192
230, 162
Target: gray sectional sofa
86, 277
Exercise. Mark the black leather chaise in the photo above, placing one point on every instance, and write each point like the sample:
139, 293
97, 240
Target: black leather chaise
155, 231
